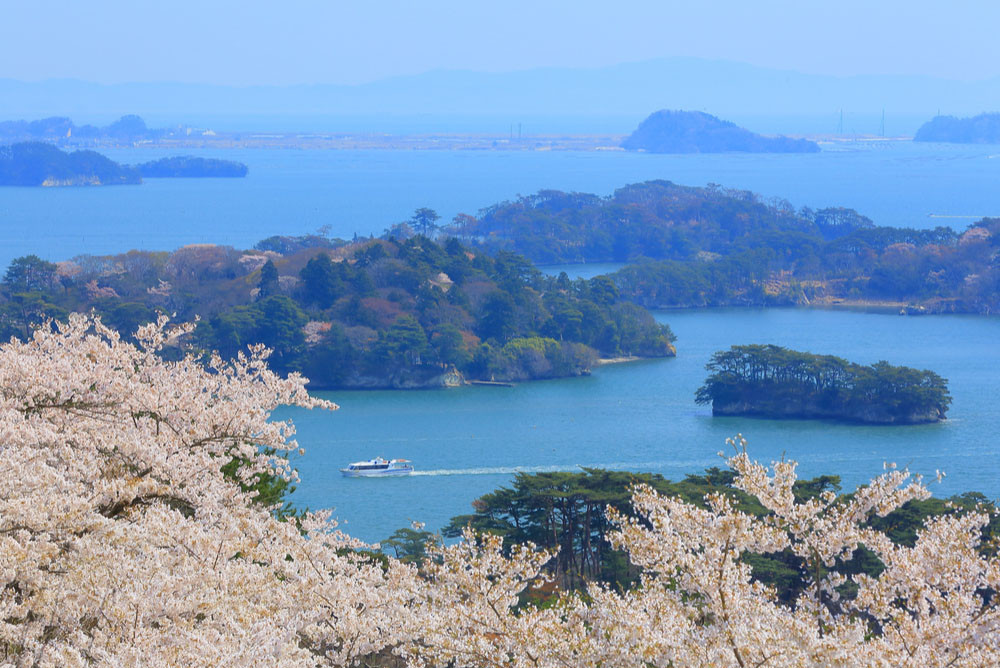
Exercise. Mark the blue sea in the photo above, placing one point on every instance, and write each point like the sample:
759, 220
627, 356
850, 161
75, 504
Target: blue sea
639, 416
293, 191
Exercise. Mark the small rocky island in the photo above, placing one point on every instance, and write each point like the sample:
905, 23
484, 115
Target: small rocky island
981, 129
775, 382
38, 163
668, 131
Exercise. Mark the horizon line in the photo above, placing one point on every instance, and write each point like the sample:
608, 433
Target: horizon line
516, 71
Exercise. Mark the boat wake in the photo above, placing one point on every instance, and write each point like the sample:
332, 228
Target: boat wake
616, 466
497, 470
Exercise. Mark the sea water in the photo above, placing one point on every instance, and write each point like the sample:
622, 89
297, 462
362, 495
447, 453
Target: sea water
294, 192
642, 416
639, 416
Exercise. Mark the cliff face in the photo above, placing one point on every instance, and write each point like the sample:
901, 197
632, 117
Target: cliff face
78, 181
869, 414
428, 377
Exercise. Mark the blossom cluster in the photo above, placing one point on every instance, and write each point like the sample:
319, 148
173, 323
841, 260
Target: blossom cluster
121, 541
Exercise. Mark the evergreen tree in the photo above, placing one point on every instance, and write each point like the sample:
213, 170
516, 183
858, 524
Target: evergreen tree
268, 280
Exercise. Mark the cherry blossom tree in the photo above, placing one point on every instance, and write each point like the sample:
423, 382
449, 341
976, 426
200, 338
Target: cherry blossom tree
698, 604
121, 541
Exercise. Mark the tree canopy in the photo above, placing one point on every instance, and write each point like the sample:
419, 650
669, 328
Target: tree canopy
38, 163
775, 381
714, 246
369, 313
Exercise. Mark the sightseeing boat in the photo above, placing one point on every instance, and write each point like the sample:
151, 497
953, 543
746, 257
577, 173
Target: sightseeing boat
378, 468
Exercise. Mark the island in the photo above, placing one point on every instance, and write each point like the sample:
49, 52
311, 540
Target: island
41, 164
400, 312
667, 131
981, 129
715, 246
38, 163
775, 382
187, 166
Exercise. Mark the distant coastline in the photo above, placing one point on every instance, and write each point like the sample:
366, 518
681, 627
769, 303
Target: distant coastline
981, 129
443, 141
132, 132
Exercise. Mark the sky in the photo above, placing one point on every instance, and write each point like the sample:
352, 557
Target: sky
354, 41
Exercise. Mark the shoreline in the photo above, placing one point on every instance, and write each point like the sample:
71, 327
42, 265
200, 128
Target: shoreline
442, 141
882, 307
445, 141
619, 360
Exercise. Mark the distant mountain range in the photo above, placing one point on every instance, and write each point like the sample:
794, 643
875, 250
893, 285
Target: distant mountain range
733, 90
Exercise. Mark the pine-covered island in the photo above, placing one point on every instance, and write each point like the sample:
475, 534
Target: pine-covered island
775, 382
716, 246
37, 163
41, 164
371, 313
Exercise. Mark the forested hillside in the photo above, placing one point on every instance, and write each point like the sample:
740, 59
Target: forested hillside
373, 313
714, 246
654, 219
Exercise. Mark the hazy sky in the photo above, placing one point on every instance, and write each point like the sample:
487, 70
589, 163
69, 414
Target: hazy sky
351, 41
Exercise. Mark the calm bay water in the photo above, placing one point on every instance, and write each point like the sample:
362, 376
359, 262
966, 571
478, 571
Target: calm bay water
642, 417
295, 192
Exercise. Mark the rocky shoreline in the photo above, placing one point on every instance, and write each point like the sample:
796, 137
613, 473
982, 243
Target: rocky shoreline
871, 414
434, 377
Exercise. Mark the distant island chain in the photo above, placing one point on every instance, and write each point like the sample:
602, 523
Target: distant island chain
672, 131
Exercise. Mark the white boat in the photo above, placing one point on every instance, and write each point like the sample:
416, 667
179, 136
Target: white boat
378, 468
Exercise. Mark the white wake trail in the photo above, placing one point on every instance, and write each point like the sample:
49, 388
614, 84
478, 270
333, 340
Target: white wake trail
572, 468
497, 470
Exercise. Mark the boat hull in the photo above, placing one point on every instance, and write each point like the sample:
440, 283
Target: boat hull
393, 473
